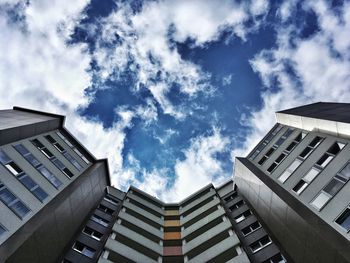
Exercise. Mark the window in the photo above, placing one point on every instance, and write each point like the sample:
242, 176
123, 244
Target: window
109, 199
251, 228
311, 147
105, 209
332, 188
92, 233
99, 220
84, 249
27, 181
237, 205
306, 180
284, 136
330, 154
60, 148
2, 230
242, 216
267, 139
276, 162
291, 168
49, 176
52, 158
73, 147
276, 259
260, 244
12, 202
344, 219
231, 196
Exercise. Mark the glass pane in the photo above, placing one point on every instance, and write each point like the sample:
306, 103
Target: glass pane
6, 196
3, 157
47, 153
20, 209
13, 168
284, 176
27, 182
320, 200
21, 149
59, 164
40, 193
88, 252
37, 143
315, 141
291, 146
300, 187
280, 158
306, 152
333, 187
294, 165
325, 159
71, 159
344, 219
311, 174
68, 172
50, 139
59, 147
345, 172
30, 158
49, 176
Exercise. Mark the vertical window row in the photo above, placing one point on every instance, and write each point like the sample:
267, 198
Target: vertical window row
278, 143
26, 180
52, 158
38, 166
318, 167
13, 202
302, 156
285, 153
69, 157
267, 139
75, 149
332, 188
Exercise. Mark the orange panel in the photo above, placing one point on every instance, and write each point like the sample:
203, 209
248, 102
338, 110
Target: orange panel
172, 251
172, 235
171, 222
171, 212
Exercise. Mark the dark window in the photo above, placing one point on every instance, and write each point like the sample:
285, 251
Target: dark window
12, 202
242, 216
291, 146
99, 220
251, 228
105, 209
261, 243
84, 249
344, 219
93, 233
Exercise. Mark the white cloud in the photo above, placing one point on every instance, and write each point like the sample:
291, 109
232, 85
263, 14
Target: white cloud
200, 166
320, 63
156, 62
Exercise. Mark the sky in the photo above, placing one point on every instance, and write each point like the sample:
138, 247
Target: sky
172, 91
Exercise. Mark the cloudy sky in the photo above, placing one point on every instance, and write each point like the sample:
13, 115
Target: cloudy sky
171, 91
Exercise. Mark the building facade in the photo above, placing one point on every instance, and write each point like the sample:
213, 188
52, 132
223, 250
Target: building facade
48, 184
296, 181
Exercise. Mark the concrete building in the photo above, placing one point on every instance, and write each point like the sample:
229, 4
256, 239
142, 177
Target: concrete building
197, 229
296, 182
48, 185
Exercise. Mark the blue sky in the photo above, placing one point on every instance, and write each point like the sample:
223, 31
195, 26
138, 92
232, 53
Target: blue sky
172, 91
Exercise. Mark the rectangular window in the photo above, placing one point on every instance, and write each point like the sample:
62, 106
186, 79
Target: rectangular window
52, 158
306, 180
242, 216
38, 166
105, 209
92, 233
251, 228
99, 220
288, 172
73, 147
260, 244
27, 181
344, 219
276, 259
267, 139
84, 249
12, 202
311, 147
112, 201
237, 205
60, 148
332, 188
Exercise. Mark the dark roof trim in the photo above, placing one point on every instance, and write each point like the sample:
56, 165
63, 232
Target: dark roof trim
61, 117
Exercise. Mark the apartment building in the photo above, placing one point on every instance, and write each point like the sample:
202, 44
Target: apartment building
296, 181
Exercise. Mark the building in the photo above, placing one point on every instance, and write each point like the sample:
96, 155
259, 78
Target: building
296, 182
289, 200
49, 183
